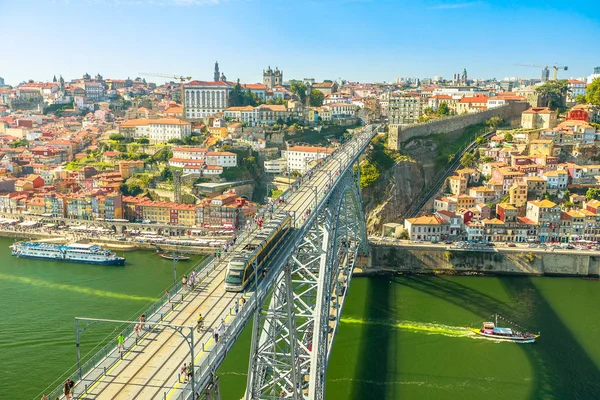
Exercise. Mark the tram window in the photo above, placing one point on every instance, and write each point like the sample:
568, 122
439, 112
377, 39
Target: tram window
234, 276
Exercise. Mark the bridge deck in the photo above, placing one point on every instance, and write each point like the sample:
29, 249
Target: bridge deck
150, 369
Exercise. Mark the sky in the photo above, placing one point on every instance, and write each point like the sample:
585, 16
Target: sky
356, 40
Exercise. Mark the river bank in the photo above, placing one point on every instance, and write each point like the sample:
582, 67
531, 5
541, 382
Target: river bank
394, 259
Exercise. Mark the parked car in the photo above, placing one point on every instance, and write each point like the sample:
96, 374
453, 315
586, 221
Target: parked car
511, 245
448, 242
532, 245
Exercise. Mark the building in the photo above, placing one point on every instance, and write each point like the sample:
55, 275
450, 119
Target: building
272, 113
222, 159
457, 184
272, 78
156, 130
518, 194
576, 88
543, 146
556, 180
472, 104
405, 109
546, 215
538, 118
259, 89
299, 158
204, 99
326, 87
428, 227
275, 166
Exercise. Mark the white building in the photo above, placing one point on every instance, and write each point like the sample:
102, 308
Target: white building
337, 110
299, 157
223, 159
156, 130
247, 114
577, 88
203, 99
259, 89
190, 153
337, 97
275, 166
204, 170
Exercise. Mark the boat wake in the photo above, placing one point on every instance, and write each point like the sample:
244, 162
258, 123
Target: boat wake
418, 327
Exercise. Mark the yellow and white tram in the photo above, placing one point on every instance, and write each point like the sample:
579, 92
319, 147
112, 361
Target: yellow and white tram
250, 258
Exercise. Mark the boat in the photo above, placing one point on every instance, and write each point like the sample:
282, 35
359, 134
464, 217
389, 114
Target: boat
491, 330
82, 253
173, 257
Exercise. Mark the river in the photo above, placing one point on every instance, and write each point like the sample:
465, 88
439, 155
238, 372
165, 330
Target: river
401, 337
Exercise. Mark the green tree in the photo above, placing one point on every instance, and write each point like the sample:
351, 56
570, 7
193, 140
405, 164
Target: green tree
480, 140
467, 160
19, 143
580, 99
592, 193
117, 137
451, 158
143, 140
299, 89
175, 141
316, 98
296, 174
443, 109
428, 111
166, 174
593, 92
508, 137
554, 92
494, 122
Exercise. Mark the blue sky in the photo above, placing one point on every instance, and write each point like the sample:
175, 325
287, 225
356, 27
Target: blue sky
359, 40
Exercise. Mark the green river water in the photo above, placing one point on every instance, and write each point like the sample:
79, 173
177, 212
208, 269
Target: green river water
401, 337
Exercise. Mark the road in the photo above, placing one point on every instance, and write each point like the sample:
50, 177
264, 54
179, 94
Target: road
149, 369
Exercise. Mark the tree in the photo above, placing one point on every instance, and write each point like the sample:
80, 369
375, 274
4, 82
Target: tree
428, 111
451, 158
316, 98
166, 174
554, 93
175, 141
580, 99
508, 137
494, 122
116, 137
143, 140
467, 160
296, 174
443, 109
592, 193
299, 89
593, 92
487, 159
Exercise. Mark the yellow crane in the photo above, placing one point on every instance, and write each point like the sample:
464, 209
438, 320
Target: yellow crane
181, 80
545, 67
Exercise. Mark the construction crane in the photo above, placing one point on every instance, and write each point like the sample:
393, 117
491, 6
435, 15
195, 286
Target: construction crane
545, 68
181, 80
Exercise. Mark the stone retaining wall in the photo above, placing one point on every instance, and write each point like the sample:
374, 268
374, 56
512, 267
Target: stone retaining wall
401, 133
406, 259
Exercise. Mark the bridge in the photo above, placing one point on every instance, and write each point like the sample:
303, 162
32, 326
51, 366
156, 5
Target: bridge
295, 308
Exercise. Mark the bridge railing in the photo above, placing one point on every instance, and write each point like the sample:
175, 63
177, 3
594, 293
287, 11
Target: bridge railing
154, 313
204, 371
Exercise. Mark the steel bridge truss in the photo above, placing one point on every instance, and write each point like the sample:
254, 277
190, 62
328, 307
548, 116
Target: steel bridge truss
292, 337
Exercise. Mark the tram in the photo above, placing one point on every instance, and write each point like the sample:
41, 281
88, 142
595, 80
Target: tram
250, 258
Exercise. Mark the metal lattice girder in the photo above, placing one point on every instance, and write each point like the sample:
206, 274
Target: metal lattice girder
292, 338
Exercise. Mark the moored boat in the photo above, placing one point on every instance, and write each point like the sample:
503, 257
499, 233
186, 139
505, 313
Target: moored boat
171, 257
492, 331
83, 253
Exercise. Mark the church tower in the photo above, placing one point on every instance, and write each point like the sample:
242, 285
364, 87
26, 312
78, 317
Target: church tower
268, 78
216, 76
464, 77
278, 75
62, 84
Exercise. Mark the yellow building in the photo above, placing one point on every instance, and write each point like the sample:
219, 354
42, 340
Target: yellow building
543, 147
518, 194
458, 184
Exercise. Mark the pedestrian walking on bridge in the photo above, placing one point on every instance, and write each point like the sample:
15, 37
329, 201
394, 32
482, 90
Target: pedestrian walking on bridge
120, 342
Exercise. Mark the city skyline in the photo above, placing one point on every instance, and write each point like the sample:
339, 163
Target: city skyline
356, 40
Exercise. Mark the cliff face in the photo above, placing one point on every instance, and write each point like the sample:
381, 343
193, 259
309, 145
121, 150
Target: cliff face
393, 194
401, 186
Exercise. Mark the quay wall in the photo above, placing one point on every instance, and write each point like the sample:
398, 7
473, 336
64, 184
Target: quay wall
409, 259
401, 133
